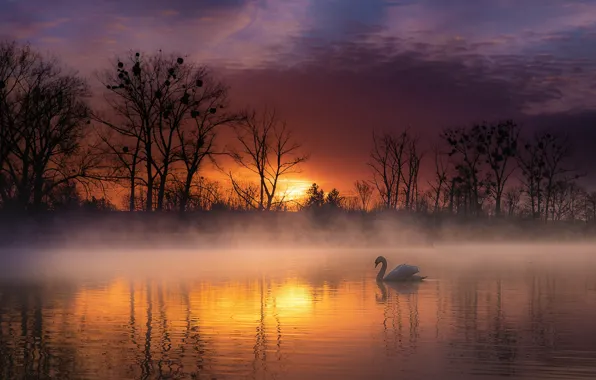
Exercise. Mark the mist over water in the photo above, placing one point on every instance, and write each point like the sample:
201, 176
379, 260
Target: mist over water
279, 300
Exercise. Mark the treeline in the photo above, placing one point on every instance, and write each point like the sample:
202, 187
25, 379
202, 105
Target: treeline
487, 169
157, 126
152, 135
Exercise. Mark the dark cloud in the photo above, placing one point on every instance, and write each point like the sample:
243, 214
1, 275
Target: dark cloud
23, 10
337, 70
336, 20
183, 8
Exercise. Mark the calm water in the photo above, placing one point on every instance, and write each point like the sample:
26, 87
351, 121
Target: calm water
474, 318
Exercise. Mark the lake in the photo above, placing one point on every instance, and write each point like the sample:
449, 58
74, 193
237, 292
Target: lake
484, 312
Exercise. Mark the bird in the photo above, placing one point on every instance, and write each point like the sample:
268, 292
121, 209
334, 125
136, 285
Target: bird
403, 272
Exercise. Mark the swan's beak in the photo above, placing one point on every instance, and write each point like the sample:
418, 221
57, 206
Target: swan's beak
376, 263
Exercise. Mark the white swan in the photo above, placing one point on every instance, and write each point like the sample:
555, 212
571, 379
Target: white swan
403, 272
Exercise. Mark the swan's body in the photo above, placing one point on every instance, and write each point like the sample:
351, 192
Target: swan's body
403, 272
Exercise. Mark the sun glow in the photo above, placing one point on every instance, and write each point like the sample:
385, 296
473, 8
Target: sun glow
294, 189
294, 299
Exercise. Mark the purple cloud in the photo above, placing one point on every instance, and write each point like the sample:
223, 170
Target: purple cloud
339, 69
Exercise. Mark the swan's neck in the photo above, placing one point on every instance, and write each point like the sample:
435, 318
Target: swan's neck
381, 273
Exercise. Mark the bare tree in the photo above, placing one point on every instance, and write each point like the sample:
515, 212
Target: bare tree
43, 121
121, 162
512, 198
267, 149
590, 205
151, 99
532, 164
244, 195
197, 138
202, 195
498, 143
440, 179
16, 64
365, 192
468, 155
387, 163
410, 177
543, 163
353, 203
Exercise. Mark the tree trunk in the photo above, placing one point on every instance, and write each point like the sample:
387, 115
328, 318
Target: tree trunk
149, 200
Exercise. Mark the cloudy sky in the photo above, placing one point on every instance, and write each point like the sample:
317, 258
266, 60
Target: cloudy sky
339, 69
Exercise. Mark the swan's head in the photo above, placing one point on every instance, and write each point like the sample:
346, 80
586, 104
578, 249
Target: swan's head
379, 260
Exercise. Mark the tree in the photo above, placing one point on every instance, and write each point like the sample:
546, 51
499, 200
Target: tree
198, 137
154, 99
315, 197
410, 177
122, 163
512, 198
590, 205
498, 143
267, 149
334, 199
98, 204
43, 121
543, 164
365, 192
468, 152
532, 163
16, 64
387, 164
440, 178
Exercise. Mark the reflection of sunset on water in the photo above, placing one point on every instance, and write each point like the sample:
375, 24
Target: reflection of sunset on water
297, 327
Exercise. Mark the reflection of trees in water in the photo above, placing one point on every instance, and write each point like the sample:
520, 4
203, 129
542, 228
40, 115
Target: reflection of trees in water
25, 348
147, 364
442, 309
166, 343
41, 336
400, 313
261, 348
540, 310
161, 359
486, 334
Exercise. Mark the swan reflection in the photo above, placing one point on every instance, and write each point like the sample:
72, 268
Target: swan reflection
398, 287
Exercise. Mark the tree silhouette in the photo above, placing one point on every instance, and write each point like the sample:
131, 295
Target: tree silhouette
440, 179
512, 198
498, 142
387, 163
315, 197
410, 177
365, 193
154, 99
267, 149
44, 119
543, 163
197, 138
334, 200
468, 155
16, 63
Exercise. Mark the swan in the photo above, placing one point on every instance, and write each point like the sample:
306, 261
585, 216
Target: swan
403, 272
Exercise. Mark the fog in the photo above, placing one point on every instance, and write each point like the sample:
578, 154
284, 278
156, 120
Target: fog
244, 245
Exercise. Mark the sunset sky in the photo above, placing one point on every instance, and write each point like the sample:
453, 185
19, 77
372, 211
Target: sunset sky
337, 70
